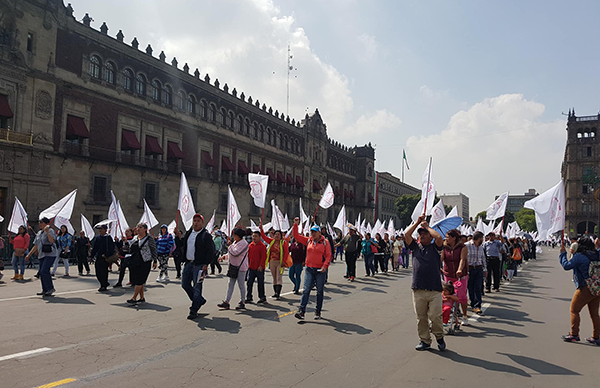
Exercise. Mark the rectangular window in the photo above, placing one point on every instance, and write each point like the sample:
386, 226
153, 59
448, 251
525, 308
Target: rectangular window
588, 152
100, 189
254, 210
587, 207
96, 218
151, 193
223, 202
30, 42
585, 189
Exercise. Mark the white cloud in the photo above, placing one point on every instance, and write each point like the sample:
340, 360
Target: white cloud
372, 124
491, 148
430, 95
368, 47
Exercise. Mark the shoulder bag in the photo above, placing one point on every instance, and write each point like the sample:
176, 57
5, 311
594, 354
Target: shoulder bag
234, 270
112, 259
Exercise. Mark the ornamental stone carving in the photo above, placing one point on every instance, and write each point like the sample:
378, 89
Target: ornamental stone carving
43, 104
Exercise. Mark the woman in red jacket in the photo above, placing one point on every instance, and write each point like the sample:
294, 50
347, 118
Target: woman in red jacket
20, 244
318, 257
277, 251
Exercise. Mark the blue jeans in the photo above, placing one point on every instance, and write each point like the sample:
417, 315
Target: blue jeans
18, 262
405, 257
296, 276
369, 265
475, 286
191, 285
45, 265
312, 276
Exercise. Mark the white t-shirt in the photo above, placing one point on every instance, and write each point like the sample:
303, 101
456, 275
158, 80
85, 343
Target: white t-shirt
191, 245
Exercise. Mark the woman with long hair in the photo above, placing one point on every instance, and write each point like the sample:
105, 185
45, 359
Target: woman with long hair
64, 239
20, 245
454, 267
143, 253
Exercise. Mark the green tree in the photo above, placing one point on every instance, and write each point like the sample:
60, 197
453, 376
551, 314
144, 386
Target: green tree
526, 220
481, 215
508, 217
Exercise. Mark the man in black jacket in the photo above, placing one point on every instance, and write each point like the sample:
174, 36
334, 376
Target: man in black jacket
198, 253
103, 247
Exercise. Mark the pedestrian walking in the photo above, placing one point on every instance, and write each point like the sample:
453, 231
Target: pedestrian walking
124, 248
63, 239
493, 249
143, 253
455, 264
237, 256
585, 256
369, 247
298, 253
178, 253
352, 246
257, 262
477, 271
220, 249
318, 257
396, 252
82, 251
103, 247
46, 250
164, 244
277, 251
199, 252
427, 283
20, 245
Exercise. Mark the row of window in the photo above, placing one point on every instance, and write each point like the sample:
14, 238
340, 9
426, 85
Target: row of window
188, 103
341, 165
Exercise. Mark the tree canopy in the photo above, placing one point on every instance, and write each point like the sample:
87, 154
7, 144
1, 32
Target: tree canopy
526, 219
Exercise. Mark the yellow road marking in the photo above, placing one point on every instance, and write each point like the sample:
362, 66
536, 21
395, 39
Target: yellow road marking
286, 314
57, 383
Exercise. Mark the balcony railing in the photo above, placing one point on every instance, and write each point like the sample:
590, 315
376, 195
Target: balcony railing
587, 118
15, 137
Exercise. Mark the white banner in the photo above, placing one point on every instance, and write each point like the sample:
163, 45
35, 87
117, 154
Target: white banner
549, 210
438, 213
171, 227
148, 217
233, 213
87, 228
186, 203
341, 222
328, 197
258, 188
428, 188
211, 223
498, 208
63, 208
303, 216
18, 217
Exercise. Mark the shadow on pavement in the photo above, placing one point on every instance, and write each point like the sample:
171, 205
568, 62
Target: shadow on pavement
144, 306
512, 315
371, 289
540, 366
487, 365
258, 314
58, 299
340, 327
493, 332
218, 324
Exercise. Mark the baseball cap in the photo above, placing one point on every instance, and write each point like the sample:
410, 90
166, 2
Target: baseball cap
422, 230
199, 215
102, 227
315, 228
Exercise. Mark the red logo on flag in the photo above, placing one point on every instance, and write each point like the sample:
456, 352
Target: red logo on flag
185, 203
256, 189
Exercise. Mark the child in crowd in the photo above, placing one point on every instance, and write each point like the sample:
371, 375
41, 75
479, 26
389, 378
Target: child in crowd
448, 299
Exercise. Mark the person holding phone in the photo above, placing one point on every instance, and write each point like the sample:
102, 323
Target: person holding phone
46, 251
318, 257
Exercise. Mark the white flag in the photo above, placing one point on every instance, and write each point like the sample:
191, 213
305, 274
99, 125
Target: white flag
453, 212
498, 229
418, 210
498, 208
186, 204
369, 228
303, 216
268, 226
358, 222
62, 208
60, 221
171, 227
341, 222
391, 230
254, 227
480, 225
376, 228
438, 213
331, 231
1, 219
327, 198
363, 226
211, 223
224, 227
286, 223
307, 227
87, 228
18, 217
258, 188
549, 210
233, 213
148, 217
428, 188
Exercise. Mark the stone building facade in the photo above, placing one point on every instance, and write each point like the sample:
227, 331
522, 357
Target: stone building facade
82, 109
581, 174
389, 188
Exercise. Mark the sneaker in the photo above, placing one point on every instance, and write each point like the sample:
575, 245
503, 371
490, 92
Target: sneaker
570, 338
49, 292
496, 290
317, 316
441, 344
477, 311
241, 306
128, 283
593, 341
132, 301
299, 314
102, 289
118, 285
143, 300
80, 274
40, 293
178, 277
464, 321
192, 316
224, 305
351, 278
422, 346
297, 293
166, 279
66, 275
262, 301
159, 279
88, 273
37, 275
249, 300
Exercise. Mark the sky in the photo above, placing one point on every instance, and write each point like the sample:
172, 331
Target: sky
479, 86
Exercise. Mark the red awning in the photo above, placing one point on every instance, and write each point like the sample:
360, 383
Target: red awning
346, 193
226, 164
280, 177
370, 196
152, 146
129, 141
316, 185
337, 192
255, 169
207, 160
271, 174
242, 168
76, 128
173, 151
352, 194
289, 180
299, 182
5, 110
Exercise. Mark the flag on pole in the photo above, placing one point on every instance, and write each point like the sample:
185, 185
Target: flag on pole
18, 217
87, 228
498, 208
480, 225
328, 197
331, 231
376, 227
549, 208
258, 188
63, 208
233, 213
428, 188
148, 217
341, 222
211, 223
405, 160
453, 212
438, 213
286, 223
186, 204
418, 210
303, 216
224, 227
254, 227
171, 227
391, 230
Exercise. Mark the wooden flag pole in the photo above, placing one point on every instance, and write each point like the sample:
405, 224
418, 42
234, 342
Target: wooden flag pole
262, 216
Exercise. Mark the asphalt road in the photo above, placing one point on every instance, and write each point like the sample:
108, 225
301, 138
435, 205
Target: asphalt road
83, 338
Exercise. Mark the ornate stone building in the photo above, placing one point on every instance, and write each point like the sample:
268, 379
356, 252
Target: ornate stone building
581, 173
82, 109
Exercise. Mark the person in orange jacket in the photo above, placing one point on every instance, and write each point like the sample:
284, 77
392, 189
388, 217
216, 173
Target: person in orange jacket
318, 257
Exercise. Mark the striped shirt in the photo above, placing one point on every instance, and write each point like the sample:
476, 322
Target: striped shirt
476, 255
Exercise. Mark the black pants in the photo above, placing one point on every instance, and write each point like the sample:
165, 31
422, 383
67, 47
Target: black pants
351, 263
215, 263
380, 259
122, 268
177, 259
493, 267
82, 261
102, 271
